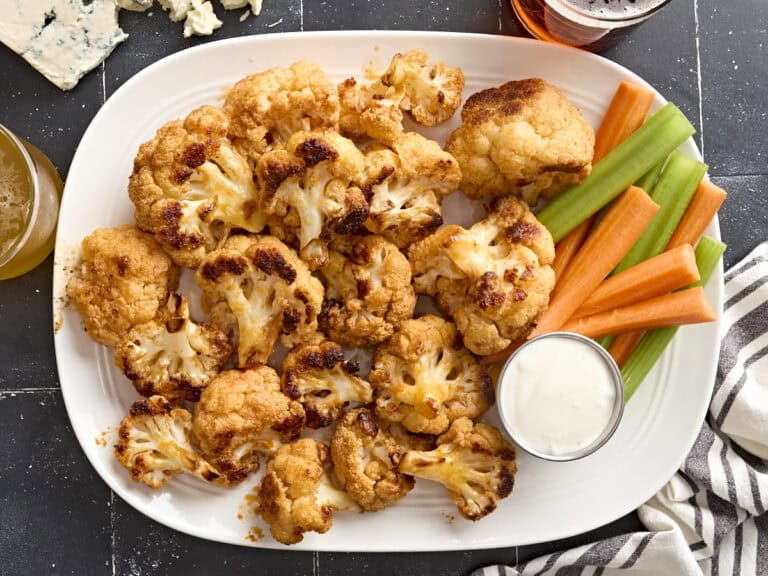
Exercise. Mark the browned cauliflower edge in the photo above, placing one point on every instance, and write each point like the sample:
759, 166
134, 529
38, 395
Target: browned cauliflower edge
370, 110
473, 462
190, 187
123, 279
365, 461
242, 414
318, 376
425, 378
153, 444
171, 355
368, 290
257, 288
494, 279
296, 494
523, 137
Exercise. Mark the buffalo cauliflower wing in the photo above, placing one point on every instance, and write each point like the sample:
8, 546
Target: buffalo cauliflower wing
296, 494
171, 355
242, 414
365, 460
257, 289
318, 376
406, 183
473, 462
190, 186
425, 378
153, 444
494, 279
266, 108
312, 188
123, 279
368, 290
370, 110
524, 137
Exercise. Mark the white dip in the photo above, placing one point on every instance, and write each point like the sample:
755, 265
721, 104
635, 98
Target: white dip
557, 395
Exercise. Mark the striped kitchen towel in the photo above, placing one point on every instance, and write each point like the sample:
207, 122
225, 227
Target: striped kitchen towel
710, 518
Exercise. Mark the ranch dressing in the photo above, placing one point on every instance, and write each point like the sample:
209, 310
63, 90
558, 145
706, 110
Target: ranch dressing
557, 395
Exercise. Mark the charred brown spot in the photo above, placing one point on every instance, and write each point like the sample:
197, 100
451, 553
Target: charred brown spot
487, 294
506, 100
181, 175
384, 173
314, 150
275, 171
194, 155
210, 475
569, 168
273, 263
363, 287
510, 275
290, 386
318, 357
317, 419
440, 97
527, 273
487, 386
308, 313
367, 423
353, 220
299, 295
350, 366
506, 483
290, 428
122, 265
521, 232
291, 319
519, 295
170, 233
215, 269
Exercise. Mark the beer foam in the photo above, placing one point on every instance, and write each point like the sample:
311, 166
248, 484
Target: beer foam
15, 201
614, 9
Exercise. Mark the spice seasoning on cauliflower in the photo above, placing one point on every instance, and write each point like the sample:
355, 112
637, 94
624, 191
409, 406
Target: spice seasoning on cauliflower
297, 495
494, 279
171, 355
153, 444
258, 289
473, 462
191, 187
406, 182
318, 376
313, 188
523, 137
365, 461
242, 414
368, 290
370, 110
425, 378
123, 279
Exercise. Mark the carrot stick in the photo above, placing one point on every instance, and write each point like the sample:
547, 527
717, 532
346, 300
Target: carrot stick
703, 207
623, 224
625, 114
661, 274
683, 307
623, 344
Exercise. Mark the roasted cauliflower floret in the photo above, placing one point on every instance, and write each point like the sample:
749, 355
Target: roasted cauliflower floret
257, 289
123, 279
312, 187
171, 355
406, 183
494, 279
425, 378
370, 110
368, 290
318, 376
524, 137
242, 414
431, 92
473, 462
297, 495
153, 444
191, 187
365, 460
266, 108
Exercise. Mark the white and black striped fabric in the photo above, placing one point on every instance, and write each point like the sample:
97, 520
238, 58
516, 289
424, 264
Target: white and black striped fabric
711, 517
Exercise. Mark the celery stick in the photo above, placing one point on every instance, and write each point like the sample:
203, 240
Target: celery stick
605, 341
653, 344
673, 192
635, 156
648, 181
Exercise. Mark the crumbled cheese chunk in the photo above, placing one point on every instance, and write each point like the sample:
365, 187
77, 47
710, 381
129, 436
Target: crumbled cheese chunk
201, 20
134, 5
177, 9
235, 4
62, 39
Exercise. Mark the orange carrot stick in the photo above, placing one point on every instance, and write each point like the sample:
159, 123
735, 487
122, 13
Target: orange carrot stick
622, 225
703, 207
683, 307
659, 275
625, 114
623, 345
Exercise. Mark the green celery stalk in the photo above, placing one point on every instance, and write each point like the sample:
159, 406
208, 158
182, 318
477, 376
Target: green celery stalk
605, 341
653, 344
634, 157
673, 192
648, 181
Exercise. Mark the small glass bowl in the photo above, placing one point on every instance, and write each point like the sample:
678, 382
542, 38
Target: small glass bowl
613, 421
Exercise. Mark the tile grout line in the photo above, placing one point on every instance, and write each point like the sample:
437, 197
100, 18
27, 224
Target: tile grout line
28, 391
103, 82
500, 11
301, 15
315, 563
112, 529
698, 73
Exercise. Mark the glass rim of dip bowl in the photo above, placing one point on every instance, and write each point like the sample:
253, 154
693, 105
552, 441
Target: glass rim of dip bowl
586, 18
21, 241
616, 413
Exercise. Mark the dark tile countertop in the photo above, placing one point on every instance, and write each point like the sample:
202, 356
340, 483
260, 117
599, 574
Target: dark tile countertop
58, 517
